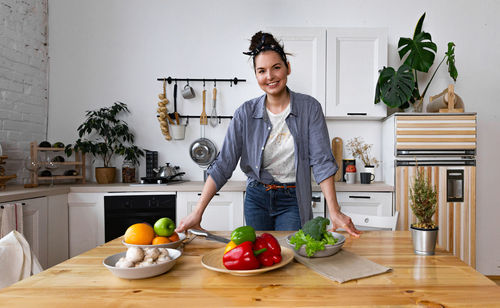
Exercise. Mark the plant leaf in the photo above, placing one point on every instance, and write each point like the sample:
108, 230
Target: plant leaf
450, 54
419, 51
418, 28
395, 88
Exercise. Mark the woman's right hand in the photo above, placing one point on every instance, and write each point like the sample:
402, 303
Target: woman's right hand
191, 221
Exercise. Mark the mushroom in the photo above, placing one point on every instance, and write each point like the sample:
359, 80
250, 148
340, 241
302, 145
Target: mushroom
134, 254
152, 253
124, 263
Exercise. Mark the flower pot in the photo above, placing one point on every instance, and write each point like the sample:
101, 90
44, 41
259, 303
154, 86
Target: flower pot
105, 175
424, 240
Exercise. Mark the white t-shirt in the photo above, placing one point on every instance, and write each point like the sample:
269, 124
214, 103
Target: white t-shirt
278, 158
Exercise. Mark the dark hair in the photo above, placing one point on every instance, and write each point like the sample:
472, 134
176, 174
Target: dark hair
262, 41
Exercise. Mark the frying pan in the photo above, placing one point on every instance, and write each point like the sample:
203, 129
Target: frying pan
203, 152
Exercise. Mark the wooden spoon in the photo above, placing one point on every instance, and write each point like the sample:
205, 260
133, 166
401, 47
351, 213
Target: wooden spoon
203, 116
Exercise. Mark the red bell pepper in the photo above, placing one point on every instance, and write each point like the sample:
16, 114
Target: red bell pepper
273, 253
242, 257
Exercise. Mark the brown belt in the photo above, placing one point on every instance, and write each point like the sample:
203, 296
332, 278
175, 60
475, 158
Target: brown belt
275, 187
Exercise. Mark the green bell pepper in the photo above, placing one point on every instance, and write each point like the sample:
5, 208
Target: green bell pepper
243, 234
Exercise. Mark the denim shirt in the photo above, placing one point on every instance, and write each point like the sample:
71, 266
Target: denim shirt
247, 135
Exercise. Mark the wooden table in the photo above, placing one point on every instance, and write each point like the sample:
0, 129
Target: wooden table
440, 280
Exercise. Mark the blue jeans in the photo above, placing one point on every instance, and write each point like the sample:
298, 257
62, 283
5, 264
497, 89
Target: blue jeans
271, 210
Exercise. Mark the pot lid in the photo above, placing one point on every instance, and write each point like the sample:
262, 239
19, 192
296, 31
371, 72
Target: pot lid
203, 151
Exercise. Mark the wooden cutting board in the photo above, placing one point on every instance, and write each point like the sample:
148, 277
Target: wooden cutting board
337, 148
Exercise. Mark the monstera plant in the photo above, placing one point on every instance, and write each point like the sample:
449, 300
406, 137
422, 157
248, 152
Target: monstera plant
399, 88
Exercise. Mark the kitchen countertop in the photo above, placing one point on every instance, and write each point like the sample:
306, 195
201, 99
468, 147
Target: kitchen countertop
18, 192
441, 280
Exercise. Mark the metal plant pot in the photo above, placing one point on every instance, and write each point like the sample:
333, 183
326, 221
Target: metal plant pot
424, 240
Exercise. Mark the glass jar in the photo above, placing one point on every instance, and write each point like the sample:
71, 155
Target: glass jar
128, 172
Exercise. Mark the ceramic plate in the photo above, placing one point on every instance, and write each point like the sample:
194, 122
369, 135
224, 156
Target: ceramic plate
329, 250
140, 272
213, 261
182, 237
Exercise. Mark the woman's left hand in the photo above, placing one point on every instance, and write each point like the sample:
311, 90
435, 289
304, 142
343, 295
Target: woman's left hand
340, 220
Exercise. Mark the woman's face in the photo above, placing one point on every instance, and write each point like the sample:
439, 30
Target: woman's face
271, 72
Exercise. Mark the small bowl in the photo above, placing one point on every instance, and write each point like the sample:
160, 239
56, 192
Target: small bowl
329, 250
140, 272
176, 244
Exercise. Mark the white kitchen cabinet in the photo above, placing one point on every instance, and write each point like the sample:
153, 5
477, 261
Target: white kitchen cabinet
57, 229
86, 221
354, 57
35, 226
369, 203
337, 66
307, 60
223, 213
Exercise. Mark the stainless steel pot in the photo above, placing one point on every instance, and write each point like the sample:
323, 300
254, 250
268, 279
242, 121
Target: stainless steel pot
203, 152
168, 171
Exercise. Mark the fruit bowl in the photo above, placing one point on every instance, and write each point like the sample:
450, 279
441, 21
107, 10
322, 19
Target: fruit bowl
175, 244
328, 251
140, 272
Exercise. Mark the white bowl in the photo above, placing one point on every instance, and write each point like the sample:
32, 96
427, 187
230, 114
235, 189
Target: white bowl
329, 250
140, 272
176, 244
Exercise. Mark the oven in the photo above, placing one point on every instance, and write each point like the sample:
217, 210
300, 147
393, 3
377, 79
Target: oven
122, 210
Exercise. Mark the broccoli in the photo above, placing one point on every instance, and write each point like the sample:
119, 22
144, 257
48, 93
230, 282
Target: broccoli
316, 227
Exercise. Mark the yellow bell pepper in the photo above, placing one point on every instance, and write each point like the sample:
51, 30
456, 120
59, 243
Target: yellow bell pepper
230, 246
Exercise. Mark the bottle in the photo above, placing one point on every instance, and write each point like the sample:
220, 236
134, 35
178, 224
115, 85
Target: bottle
128, 172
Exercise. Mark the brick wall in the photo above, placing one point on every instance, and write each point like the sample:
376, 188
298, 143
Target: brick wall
23, 79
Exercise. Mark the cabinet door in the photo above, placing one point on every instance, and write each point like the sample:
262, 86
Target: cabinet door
224, 212
307, 60
86, 222
354, 56
35, 227
57, 217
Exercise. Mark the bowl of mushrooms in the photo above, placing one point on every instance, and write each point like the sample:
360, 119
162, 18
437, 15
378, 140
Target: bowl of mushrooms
138, 263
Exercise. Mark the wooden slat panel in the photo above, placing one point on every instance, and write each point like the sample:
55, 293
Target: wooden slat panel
466, 223
433, 125
423, 139
443, 228
473, 217
405, 193
436, 117
458, 226
436, 187
430, 147
398, 198
451, 226
435, 132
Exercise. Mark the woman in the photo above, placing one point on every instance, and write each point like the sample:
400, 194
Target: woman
277, 137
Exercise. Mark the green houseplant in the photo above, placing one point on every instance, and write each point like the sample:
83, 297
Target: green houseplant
398, 88
104, 135
423, 202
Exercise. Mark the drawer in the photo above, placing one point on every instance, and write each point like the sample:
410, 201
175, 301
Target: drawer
369, 203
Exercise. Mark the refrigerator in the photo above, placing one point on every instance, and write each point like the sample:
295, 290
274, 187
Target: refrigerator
444, 146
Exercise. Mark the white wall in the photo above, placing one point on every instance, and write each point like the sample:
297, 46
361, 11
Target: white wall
103, 51
23, 79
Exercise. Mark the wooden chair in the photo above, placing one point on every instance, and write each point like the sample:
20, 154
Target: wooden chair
369, 222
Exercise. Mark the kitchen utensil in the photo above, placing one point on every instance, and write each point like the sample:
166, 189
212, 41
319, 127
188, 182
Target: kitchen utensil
188, 91
209, 236
203, 116
141, 272
176, 115
328, 251
213, 262
166, 171
337, 147
203, 152
178, 131
182, 237
213, 116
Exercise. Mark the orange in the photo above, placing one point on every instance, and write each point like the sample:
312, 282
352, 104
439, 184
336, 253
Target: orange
160, 240
139, 234
174, 237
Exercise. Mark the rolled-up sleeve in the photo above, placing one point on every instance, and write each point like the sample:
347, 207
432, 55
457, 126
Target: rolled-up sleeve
223, 166
320, 153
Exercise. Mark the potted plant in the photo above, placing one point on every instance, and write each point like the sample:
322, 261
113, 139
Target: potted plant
104, 135
399, 88
423, 202
359, 149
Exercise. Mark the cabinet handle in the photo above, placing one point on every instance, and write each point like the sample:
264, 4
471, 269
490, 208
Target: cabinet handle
359, 197
356, 113
216, 194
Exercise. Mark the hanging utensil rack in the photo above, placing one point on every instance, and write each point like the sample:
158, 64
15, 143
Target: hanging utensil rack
234, 81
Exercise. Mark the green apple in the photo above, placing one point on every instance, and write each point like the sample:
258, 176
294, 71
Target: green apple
164, 226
